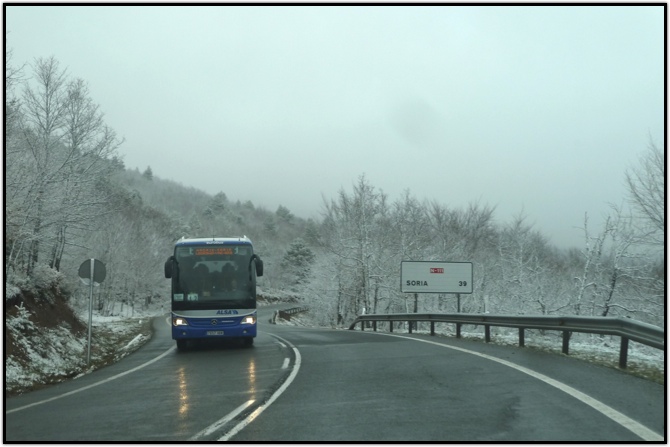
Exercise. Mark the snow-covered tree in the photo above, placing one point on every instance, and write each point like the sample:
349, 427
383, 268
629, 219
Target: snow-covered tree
63, 153
148, 173
284, 214
297, 262
646, 186
350, 227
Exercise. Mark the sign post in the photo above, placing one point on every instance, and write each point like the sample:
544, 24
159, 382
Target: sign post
91, 272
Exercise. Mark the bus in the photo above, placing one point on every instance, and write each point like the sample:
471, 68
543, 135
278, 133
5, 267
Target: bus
213, 293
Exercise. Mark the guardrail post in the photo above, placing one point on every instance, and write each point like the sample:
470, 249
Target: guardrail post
487, 333
566, 342
522, 341
374, 325
432, 328
458, 330
623, 353
409, 323
362, 325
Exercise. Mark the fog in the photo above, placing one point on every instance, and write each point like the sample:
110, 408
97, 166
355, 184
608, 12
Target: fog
533, 109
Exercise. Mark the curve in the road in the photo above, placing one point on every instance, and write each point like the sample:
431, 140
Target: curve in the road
621, 419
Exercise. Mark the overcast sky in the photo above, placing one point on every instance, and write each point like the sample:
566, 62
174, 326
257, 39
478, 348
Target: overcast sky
537, 109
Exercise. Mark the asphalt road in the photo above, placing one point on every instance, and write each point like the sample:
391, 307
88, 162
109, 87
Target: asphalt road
300, 384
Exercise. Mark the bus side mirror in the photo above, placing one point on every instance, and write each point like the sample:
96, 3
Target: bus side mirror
168, 267
259, 266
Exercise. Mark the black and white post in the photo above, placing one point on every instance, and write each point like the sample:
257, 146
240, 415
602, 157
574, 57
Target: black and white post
91, 272
90, 312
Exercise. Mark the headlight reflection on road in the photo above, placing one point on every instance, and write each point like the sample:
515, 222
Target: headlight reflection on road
251, 373
183, 393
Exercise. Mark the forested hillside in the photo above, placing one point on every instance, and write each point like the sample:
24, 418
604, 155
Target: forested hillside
69, 197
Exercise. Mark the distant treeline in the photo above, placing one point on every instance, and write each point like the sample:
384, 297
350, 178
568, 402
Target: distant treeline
69, 197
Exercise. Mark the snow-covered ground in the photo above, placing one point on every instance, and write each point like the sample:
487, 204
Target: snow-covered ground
53, 355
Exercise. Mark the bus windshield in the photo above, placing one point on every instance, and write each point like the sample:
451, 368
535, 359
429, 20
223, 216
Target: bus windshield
213, 276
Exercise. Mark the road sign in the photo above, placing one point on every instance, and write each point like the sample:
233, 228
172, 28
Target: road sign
435, 277
92, 272
99, 271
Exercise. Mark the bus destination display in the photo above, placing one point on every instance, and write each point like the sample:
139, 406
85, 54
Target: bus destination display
213, 251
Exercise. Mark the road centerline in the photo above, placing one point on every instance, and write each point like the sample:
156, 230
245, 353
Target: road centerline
249, 419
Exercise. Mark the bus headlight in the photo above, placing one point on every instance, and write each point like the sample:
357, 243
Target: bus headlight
179, 321
249, 320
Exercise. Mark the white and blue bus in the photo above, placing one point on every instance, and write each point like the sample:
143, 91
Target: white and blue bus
213, 290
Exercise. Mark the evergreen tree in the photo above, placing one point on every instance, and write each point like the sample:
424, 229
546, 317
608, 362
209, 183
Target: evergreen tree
297, 262
284, 214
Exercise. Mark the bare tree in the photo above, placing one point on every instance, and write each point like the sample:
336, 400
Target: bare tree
55, 174
14, 171
460, 234
646, 186
411, 237
88, 147
44, 110
13, 76
523, 269
352, 228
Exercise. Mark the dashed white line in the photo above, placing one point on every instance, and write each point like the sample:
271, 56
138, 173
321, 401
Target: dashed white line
285, 365
223, 421
275, 395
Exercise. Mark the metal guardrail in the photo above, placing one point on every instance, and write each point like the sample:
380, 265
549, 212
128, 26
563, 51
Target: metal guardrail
625, 328
286, 313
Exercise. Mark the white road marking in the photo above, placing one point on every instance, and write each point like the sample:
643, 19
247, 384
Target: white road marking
620, 418
223, 421
285, 365
249, 419
109, 379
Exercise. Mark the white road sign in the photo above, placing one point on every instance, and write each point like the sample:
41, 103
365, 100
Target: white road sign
435, 277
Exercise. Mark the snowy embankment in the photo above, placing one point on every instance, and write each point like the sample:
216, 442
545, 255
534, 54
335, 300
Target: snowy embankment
51, 355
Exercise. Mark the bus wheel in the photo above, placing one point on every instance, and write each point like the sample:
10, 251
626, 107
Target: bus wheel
181, 345
248, 342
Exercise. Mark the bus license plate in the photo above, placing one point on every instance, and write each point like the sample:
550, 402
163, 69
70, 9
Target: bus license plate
214, 332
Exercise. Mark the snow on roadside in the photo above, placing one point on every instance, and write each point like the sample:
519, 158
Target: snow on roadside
134, 343
643, 361
50, 356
